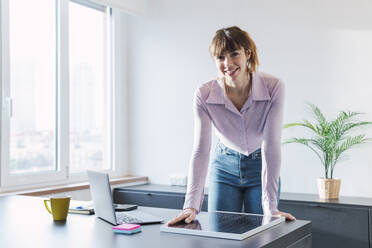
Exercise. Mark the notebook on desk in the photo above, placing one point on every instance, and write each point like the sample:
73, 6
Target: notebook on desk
103, 204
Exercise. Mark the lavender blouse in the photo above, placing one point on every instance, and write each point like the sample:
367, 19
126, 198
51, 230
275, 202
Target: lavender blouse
257, 125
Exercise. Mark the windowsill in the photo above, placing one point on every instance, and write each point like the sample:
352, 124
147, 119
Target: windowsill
132, 180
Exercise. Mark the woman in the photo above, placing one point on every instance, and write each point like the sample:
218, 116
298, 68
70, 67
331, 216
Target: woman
246, 109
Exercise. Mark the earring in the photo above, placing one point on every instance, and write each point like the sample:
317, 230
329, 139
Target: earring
248, 64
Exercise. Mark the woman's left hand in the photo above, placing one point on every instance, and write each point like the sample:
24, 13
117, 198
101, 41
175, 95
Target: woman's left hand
287, 216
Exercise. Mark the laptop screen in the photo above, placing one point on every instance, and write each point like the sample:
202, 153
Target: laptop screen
101, 195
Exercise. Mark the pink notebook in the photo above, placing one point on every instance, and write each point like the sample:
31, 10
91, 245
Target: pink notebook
126, 227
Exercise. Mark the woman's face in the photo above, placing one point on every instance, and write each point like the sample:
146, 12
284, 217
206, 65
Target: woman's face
233, 65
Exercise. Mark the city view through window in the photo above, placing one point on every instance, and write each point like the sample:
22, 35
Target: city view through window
32, 46
89, 107
33, 125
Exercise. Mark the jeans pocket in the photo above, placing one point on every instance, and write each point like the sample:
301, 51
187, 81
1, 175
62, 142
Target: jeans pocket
221, 148
226, 163
229, 152
256, 155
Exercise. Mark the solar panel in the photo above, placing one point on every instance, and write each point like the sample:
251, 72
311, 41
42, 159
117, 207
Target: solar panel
226, 225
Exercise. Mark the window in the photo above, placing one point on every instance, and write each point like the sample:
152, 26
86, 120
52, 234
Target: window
89, 89
57, 91
32, 86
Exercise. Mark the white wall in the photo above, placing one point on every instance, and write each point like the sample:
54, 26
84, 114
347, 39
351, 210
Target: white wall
321, 49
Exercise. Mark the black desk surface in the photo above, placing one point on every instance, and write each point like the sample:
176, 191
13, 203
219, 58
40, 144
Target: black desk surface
24, 222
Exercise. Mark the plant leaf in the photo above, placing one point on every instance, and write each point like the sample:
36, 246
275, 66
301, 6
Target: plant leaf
306, 142
348, 143
349, 126
322, 127
306, 124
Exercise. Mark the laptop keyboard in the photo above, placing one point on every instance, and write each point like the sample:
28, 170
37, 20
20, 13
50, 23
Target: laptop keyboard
124, 218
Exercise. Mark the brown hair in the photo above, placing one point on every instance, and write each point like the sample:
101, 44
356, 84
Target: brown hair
231, 39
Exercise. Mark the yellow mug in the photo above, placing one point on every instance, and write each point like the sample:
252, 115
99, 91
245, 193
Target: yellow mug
59, 206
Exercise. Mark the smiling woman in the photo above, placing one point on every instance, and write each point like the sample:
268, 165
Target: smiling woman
235, 55
246, 109
231, 39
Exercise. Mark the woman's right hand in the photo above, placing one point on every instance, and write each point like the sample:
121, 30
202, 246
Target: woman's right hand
187, 214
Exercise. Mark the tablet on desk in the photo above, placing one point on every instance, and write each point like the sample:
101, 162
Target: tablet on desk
226, 225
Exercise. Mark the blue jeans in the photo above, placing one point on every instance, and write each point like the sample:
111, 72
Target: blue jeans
235, 181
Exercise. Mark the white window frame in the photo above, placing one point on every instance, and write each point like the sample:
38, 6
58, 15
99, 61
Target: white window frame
117, 114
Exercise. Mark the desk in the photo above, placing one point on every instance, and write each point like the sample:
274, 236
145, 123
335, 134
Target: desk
331, 223
24, 222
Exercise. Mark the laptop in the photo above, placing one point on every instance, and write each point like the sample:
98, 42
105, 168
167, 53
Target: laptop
104, 208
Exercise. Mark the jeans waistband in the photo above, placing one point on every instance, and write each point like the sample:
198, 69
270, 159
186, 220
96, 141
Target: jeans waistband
230, 151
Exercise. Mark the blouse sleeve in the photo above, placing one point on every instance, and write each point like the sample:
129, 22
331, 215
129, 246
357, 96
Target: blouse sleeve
271, 158
198, 166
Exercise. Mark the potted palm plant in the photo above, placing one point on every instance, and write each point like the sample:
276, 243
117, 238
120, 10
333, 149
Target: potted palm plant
329, 142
